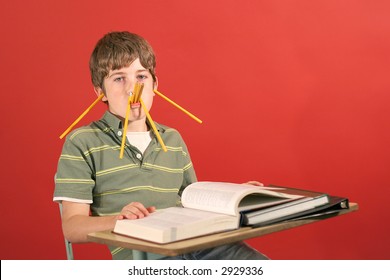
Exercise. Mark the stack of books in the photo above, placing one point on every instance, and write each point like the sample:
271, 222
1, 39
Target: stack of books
210, 207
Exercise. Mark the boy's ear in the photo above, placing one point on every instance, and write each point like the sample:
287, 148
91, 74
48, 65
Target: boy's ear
98, 92
155, 84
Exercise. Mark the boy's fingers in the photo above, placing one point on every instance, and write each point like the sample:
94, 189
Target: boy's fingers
136, 210
255, 183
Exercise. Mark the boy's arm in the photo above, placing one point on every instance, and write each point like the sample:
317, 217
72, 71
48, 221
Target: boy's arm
77, 223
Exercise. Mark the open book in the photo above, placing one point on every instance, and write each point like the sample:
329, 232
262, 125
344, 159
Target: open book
208, 207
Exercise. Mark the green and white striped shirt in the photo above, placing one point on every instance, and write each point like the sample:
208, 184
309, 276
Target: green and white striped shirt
90, 170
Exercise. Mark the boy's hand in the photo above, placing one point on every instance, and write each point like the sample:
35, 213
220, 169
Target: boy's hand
135, 210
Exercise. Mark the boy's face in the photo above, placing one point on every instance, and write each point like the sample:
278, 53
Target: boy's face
119, 83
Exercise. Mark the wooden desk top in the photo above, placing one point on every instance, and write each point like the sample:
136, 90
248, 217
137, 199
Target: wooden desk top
203, 242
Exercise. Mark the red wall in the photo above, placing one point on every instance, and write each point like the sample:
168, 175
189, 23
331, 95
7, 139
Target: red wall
294, 93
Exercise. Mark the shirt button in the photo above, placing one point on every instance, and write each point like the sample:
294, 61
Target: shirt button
119, 133
139, 156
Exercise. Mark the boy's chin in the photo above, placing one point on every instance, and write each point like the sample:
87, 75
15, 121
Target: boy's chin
136, 115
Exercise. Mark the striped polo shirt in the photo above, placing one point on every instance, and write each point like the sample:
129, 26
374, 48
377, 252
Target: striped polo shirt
90, 170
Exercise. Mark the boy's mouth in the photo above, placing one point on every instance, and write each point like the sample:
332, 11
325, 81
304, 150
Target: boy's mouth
135, 105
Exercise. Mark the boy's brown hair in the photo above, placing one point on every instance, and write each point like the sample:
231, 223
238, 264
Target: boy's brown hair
117, 50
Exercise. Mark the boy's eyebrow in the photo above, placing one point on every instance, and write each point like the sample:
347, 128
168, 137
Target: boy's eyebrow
116, 73
124, 73
141, 71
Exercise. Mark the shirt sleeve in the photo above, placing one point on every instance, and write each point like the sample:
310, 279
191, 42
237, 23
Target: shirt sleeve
74, 178
189, 175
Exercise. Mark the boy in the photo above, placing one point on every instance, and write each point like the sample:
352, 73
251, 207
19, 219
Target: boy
95, 187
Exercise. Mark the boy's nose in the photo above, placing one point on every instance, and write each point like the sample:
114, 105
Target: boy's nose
130, 88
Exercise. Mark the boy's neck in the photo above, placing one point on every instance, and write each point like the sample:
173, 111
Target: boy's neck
137, 126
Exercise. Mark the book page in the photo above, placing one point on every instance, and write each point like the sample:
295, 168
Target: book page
248, 202
176, 223
221, 197
174, 217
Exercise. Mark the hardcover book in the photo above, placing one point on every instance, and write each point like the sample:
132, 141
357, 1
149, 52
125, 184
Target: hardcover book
208, 207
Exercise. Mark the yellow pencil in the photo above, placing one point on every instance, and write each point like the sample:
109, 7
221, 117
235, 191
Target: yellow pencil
135, 92
124, 133
139, 93
81, 116
178, 106
153, 126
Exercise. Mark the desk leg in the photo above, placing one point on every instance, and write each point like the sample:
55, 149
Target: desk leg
139, 255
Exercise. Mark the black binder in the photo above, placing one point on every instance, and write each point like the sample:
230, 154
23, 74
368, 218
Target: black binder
335, 205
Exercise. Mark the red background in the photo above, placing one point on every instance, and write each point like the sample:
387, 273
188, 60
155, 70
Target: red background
294, 93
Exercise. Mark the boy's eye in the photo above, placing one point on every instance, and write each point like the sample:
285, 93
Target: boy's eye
118, 79
142, 77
